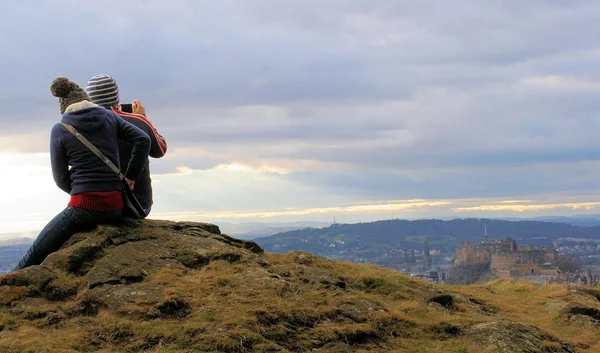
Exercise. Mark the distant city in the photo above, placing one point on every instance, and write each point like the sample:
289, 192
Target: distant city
459, 251
10, 255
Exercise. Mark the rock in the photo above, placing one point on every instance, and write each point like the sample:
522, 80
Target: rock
359, 310
130, 263
484, 307
246, 244
63, 287
33, 277
456, 302
54, 318
581, 315
74, 258
208, 227
133, 300
9, 294
445, 300
108, 266
304, 258
82, 250
196, 252
587, 292
446, 330
173, 308
333, 283
34, 308
510, 337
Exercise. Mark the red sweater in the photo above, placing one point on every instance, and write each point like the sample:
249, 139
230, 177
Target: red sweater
98, 201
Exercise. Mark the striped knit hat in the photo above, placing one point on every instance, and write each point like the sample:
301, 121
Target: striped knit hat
103, 90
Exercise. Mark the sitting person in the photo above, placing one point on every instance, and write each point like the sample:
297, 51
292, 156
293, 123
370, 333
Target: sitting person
104, 91
95, 189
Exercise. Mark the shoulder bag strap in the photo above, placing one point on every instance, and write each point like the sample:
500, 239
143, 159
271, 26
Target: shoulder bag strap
94, 149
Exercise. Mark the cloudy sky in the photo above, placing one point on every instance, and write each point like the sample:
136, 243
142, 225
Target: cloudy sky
309, 109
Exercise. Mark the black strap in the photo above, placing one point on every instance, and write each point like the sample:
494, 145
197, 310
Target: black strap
94, 149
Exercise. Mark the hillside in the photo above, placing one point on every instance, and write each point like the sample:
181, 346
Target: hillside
16, 241
252, 230
369, 239
158, 286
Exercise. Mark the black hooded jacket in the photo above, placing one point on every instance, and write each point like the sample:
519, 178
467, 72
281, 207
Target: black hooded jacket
76, 169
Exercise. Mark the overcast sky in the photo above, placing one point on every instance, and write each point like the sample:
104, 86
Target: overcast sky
309, 109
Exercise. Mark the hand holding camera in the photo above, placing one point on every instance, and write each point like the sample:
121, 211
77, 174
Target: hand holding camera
136, 107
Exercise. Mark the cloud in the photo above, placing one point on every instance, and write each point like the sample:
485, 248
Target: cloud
564, 83
238, 192
29, 196
536, 207
33, 142
402, 207
333, 102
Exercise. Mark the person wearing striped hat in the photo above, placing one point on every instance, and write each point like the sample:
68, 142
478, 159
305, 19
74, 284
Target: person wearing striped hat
103, 90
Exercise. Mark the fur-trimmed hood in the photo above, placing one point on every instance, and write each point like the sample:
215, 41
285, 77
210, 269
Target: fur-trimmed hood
85, 116
79, 106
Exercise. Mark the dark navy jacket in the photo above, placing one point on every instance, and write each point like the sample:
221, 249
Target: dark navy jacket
87, 172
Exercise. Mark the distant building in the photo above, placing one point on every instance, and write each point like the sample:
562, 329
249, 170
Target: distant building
505, 256
426, 255
573, 279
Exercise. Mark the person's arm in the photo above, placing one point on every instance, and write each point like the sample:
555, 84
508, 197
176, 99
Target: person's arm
140, 147
58, 161
158, 146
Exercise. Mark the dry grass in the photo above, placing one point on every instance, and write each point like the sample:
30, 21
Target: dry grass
538, 305
286, 306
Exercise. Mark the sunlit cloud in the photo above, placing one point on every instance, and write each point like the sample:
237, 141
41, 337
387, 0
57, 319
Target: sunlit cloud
32, 142
530, 207
183, 170
560, 82
405, 206
515, 201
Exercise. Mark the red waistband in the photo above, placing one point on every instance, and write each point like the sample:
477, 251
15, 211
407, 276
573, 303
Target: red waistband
98, 201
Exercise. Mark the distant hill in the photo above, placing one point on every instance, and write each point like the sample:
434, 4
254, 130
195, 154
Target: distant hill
374, 237
264, 232
579, 220
16, 241
252, 230
20, 237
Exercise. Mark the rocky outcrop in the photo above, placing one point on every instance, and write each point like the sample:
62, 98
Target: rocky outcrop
511, 337
110, 264
581, 315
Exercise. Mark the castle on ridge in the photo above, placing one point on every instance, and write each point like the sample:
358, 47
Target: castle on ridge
506, 258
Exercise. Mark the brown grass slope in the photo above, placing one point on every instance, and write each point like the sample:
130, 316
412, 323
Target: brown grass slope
159, 286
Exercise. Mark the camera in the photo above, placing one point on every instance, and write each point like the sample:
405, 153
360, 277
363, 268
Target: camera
127, 108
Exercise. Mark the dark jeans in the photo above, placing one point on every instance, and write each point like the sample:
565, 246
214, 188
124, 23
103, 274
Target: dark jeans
70, 221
